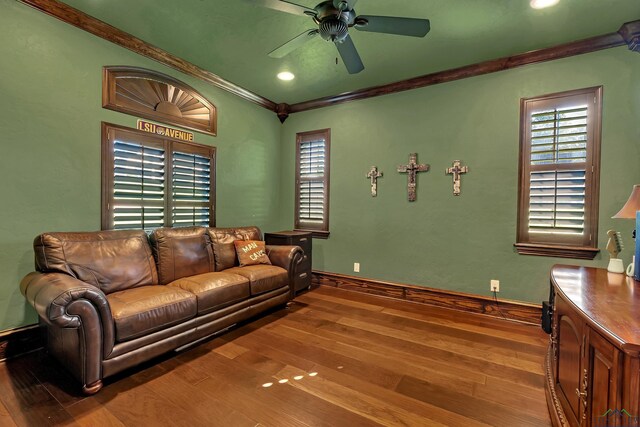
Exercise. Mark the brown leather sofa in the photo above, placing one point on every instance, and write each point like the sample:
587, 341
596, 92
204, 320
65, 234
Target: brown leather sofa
113, 299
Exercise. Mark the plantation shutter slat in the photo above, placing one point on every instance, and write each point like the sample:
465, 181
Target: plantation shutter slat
138, 186
557, 202
312, 155
559, 169
191, 189
559, 136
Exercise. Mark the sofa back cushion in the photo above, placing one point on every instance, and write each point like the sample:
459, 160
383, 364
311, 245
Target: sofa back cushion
224, 250
109, 260
181, 252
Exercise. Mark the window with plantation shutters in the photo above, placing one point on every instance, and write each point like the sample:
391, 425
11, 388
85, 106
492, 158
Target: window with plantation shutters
312, 182
150, 181
559, 174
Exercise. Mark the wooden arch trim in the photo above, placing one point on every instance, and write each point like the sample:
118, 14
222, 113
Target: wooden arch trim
156, 96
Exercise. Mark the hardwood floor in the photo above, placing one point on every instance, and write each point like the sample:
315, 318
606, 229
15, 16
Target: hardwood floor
334, 358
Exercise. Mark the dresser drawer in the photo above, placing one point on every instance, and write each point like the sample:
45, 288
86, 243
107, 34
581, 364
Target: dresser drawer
302, 280
303, 242
305, 263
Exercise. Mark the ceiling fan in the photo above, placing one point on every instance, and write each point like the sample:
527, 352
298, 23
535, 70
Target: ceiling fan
334, 18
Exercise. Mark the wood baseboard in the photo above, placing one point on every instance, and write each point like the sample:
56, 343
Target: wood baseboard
19, 341
470, 303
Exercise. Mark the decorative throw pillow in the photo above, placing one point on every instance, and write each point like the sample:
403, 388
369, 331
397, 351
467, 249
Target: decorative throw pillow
251, 252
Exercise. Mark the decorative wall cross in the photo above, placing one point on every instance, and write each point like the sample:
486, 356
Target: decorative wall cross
411, 169
456, 170
373, 175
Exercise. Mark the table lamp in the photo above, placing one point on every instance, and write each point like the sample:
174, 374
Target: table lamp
630, 210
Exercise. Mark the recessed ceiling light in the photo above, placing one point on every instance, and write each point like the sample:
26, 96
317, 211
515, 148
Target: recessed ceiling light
541, 4
286, 76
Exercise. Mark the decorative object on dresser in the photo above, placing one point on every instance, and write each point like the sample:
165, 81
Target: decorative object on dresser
373, 175
630, 210
456, 170
614, 247
110, 300
593, 363
411, 169
302, 275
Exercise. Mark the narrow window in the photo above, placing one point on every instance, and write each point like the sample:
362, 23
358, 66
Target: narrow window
312, 182
559, 174
150, 181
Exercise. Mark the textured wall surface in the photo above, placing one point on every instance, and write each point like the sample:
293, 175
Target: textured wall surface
460, 243
50, 115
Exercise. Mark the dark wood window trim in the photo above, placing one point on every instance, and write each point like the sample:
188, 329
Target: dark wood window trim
585, 245
318, 230
111, 133
156, 96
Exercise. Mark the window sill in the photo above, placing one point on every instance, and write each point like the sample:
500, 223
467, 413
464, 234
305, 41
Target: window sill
317, 234
537, 249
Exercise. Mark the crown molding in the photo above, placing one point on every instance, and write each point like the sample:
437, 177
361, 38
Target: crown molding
628, 34
110, 33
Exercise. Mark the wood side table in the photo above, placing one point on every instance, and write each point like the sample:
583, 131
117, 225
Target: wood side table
295, 238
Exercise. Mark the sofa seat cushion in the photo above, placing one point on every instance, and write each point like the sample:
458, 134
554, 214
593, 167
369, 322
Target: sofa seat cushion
262, 278
146, 309
215, 290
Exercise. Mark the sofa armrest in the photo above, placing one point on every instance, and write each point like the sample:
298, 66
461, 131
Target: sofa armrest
287, 257
65, 302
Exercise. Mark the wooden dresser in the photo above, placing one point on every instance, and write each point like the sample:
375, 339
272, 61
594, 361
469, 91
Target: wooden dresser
296, 238
593, 364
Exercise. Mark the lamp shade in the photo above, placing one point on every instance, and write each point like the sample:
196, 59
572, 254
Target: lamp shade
633, 204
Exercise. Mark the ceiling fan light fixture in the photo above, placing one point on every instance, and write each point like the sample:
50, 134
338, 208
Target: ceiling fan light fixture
286, 76
333, 29
541, 4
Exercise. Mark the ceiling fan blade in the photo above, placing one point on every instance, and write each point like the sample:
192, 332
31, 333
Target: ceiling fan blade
344, 4
285, 6
293, 44
350, 56
413, 27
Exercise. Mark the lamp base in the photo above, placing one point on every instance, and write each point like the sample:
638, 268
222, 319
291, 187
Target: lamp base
615, 266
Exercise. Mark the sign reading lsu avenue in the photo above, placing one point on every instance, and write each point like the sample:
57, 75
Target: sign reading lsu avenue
164, 131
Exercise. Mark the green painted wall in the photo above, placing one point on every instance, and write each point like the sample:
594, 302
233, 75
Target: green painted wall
459, 243
50, 114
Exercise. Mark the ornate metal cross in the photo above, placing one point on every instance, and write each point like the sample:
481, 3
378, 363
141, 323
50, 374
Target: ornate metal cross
456, 170
373, 175
411, 169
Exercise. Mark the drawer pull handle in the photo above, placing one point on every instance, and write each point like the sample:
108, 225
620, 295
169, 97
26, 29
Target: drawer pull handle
303, 275
304, 239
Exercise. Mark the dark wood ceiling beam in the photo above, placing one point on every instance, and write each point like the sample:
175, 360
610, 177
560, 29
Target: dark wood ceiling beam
108, 32
628, 34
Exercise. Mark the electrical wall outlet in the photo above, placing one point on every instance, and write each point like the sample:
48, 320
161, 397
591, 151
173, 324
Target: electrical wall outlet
495, 286
356, 267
